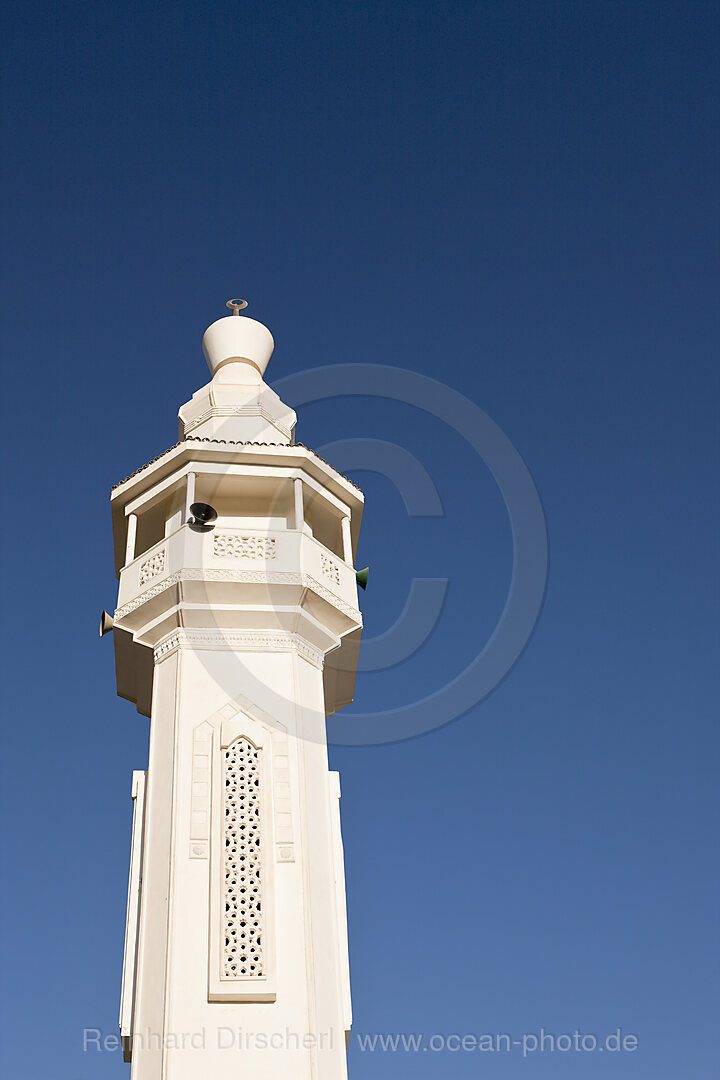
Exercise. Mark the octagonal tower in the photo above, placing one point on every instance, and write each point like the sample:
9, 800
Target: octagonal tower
237, 636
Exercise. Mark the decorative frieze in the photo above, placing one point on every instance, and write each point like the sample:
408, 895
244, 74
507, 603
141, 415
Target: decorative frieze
240, 640
260, 577
237, 546
331, 598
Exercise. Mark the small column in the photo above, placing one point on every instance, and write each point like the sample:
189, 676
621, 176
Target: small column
299, 507
347, 541
131, 534
189, 495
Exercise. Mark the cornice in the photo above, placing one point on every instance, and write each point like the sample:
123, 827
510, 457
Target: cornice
255, 577
238, 641
190, 439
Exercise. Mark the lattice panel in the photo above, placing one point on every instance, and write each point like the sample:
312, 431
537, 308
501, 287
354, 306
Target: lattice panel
242, 956
236, 546
151, 567
330, 569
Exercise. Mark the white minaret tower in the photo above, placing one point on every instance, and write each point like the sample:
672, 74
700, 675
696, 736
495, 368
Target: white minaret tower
237, 634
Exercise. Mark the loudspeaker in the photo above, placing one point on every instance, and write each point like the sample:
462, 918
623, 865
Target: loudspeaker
203, 514
361, 576
106, 623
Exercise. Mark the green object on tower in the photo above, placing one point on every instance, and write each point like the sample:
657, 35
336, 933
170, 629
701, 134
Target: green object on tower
361, 576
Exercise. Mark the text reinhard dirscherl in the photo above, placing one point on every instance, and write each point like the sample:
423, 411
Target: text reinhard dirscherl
228, 1038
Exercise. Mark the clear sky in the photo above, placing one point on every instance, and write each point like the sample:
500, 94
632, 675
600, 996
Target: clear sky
520, 200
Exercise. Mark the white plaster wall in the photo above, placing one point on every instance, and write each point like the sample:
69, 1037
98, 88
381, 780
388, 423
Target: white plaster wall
193, 685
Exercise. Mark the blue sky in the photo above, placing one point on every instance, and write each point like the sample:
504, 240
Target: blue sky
517, 199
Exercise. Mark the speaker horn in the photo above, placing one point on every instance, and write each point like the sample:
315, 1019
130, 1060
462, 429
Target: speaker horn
361, 576
203, 515
106, 623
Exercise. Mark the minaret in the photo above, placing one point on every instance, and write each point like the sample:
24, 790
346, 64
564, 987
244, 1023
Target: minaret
236, 632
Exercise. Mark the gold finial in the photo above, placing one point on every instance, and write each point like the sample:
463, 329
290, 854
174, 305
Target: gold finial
236, 305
